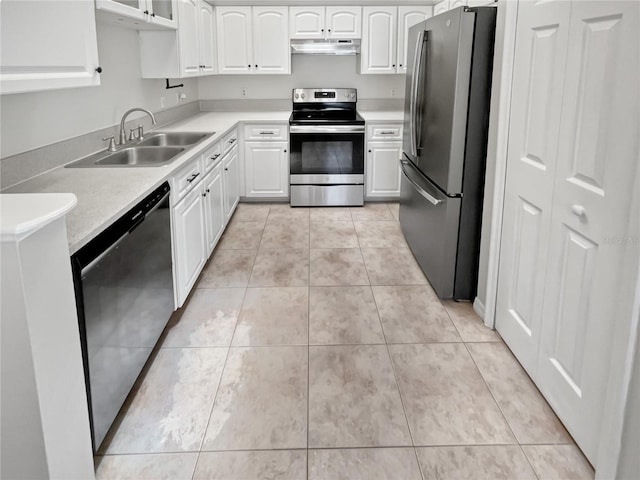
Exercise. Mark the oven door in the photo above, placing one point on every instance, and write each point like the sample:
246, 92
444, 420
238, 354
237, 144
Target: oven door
330, 155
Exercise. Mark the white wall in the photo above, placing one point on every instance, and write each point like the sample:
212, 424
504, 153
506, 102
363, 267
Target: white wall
306, 71
32, 120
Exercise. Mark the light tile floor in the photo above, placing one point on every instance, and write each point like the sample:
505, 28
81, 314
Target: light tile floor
314, 347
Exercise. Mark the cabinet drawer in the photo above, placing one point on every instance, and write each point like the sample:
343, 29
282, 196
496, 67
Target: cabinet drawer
265, 132
384, 132
186, 179
229, 140
212, 156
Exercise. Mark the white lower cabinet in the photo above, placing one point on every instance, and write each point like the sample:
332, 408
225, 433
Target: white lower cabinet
231, 179
266, 161
384, 150
213, 195
189, 242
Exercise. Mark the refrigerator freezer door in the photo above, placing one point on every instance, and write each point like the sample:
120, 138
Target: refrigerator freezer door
429, 221
438, 75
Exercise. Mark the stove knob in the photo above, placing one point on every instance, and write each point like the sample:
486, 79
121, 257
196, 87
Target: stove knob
353, 95
297, 95
346, 95
302, 95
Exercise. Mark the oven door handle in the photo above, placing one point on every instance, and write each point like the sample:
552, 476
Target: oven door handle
327, 129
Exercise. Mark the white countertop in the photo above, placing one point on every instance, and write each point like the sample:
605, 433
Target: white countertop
382, 115
25, 213
105, 194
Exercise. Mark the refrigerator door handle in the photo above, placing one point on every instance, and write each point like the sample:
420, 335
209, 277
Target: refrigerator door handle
433, 200
414, 92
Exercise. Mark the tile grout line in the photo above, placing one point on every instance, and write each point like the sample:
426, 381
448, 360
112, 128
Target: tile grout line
395, 378
535, 472
484, 380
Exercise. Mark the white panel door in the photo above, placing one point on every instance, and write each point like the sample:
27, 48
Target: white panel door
189, 239
234, 45
344, 22
266, 169
207, 40
540, 57
189, 40
407, 18
306, 22
231, 175
47, 45
598, 156
383, 169
213, 207
271, 50
379, 40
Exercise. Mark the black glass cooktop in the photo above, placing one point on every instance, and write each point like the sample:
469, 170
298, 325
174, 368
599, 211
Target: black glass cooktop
325, 115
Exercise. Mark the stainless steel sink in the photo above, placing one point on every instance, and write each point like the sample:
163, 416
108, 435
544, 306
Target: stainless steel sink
173, 139
136, 156
157, 149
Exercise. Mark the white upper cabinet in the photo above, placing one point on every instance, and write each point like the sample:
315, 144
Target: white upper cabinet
233, 25
306, 22
271, 53
325, 22
187, 52
407, 18
253, 40
188, 38
139, 14
206, 28
344, 22
51, 46
441, 7
384, 38
379, 40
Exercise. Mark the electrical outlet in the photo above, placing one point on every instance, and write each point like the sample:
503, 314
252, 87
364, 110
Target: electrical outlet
393, 92
244, 92
163, 102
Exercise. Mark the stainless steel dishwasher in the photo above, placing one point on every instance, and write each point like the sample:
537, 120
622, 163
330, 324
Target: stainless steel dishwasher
124, 294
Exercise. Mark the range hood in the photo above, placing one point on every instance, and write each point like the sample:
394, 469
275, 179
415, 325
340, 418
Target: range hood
325, 47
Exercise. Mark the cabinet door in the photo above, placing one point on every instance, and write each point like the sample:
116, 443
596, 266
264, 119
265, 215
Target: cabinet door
207, 40
189, 242
233, 33
589, 242
271, 50
189, 42
213, 207
407, 18
231, 182
344, 22
379, 40
163, 12
306, 22
266, 169
134, 9
383, 169
51, 46
441, 7
457, 3
538, 77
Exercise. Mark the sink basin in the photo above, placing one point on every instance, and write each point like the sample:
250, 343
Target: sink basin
131, 157
141, 156
173, 139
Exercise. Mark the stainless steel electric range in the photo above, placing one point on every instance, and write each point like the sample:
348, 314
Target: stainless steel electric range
326, 136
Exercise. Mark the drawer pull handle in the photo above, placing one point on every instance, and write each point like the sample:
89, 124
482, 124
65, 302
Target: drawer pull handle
388, 133
215, 156
267, 133
193, 177
233, 140
226, 169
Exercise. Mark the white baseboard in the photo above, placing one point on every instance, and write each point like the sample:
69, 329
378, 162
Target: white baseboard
478, 307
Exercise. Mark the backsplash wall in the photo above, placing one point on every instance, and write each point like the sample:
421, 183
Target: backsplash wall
306, 71
32, 120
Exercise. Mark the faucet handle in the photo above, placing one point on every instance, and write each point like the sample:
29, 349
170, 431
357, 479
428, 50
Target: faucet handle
132, 135
112, 143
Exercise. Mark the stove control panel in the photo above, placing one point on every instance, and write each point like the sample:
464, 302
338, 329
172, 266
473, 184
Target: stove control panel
324, 95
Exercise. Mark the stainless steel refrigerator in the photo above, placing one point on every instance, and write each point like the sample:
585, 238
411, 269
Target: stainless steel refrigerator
446, 120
